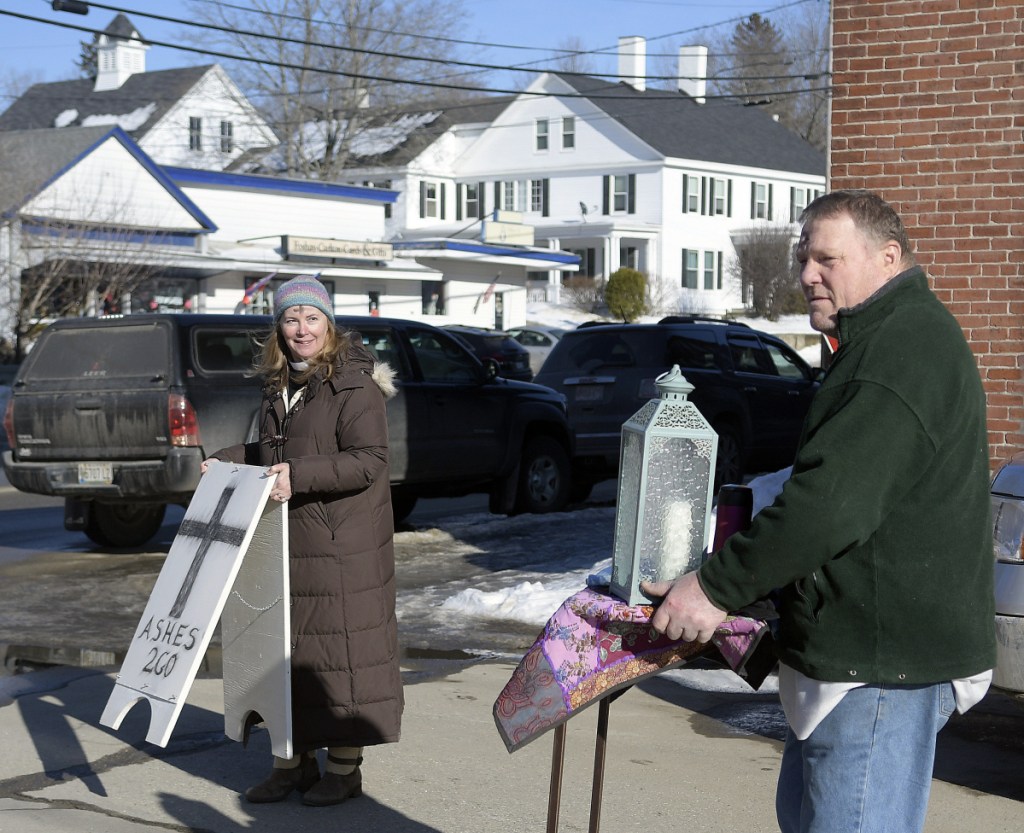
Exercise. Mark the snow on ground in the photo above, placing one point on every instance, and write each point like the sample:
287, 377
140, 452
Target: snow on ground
494, 581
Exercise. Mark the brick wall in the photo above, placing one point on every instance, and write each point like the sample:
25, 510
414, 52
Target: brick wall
928, 111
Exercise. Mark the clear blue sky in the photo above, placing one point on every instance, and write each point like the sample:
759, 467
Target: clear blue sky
49, 52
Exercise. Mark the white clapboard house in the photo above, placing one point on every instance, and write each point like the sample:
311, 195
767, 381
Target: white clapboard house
193, 116
670, 182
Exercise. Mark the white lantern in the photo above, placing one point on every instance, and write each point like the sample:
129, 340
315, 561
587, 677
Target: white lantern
666, 482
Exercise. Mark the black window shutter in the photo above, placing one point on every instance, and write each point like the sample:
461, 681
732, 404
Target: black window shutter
771, 195
607, 187
632, 194
753, 200
718, 256
481, 193
682, 283
704, 195
545, 194
728, 209
686, 192
423, 199
441, 199
458, 200
497, 194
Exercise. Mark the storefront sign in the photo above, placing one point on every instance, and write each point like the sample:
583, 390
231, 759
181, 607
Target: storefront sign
329, 247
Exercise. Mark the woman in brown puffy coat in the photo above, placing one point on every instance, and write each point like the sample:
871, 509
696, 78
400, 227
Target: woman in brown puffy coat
323, 432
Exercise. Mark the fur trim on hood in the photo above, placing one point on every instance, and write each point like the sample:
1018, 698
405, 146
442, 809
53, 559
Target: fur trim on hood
384, 375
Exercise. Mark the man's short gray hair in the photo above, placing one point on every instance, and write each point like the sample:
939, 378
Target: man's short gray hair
870, 213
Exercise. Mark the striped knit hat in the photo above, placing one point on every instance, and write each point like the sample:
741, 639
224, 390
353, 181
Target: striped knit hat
306, 291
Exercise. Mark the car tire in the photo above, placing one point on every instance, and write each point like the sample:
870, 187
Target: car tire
729, 462
544, 477
402, 504
124, 524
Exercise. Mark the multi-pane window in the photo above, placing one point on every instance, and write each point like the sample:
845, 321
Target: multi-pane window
432, 199
760, 201
227, 141
707, 195
702, 270
719, 196
709, 270
620, 193
195, 133
799, 199
511, 199
691, 266
568, 132
538, 191
542, 134
472, 199
691, 194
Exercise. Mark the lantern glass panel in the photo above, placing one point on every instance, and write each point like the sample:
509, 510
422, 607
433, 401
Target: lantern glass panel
675, 507
631, 465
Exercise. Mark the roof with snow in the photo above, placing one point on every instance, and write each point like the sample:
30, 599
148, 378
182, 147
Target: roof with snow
724, 132
397, 139
135, 106
671, 122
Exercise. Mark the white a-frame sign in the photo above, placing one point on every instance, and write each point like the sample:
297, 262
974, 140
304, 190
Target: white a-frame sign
230, 555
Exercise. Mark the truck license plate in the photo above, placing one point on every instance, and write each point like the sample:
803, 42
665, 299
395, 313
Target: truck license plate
588, 393
95, 473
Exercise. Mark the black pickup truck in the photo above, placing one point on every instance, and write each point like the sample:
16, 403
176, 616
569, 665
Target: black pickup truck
115, 415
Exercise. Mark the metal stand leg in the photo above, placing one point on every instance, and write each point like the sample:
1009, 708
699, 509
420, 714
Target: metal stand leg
600, 747
555, 790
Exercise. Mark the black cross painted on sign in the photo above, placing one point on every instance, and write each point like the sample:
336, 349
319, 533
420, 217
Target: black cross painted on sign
209, 532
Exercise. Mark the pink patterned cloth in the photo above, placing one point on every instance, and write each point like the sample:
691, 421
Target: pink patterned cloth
592, 646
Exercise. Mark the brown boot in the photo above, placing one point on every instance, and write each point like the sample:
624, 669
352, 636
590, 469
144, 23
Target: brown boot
334, 787
282, 781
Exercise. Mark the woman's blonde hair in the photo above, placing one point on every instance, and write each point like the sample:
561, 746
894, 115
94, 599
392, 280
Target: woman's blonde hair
271, 362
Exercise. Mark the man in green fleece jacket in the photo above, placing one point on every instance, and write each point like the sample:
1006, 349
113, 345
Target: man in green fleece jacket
879, 544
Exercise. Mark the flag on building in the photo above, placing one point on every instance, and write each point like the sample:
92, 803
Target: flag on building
251, 290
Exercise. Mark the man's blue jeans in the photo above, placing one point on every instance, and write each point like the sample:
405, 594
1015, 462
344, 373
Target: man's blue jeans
867, 767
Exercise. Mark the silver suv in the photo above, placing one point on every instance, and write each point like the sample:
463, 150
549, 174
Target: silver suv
1008, 531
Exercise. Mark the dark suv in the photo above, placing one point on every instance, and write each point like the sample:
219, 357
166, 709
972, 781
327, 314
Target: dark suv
116, 414
752, 387
512, 359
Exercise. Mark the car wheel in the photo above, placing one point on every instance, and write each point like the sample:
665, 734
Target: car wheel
124, 524
544, 477
402, 504
729, 461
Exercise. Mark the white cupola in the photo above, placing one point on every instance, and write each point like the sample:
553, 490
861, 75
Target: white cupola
120, 53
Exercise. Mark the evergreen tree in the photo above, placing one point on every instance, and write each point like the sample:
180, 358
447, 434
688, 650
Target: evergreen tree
86, 62
625, 294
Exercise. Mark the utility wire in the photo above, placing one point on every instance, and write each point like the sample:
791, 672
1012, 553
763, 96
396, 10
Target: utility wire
364, 77
405, 57
605, 50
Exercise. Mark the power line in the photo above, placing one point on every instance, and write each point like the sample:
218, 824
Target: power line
400, 56
605, 50
359, 76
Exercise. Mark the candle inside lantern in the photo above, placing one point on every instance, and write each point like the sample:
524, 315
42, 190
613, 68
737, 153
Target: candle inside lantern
677, 539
